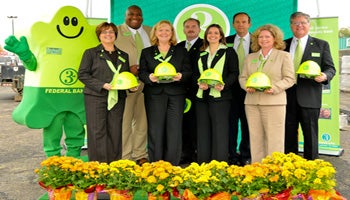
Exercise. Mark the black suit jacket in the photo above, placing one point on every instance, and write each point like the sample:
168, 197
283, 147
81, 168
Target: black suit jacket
193, 53
229, 74
308, 91
180, 60
94, 71
194, 50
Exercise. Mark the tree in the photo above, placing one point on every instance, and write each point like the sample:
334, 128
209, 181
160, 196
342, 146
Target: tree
344, 32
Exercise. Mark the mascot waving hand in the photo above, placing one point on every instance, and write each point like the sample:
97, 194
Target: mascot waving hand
52, 95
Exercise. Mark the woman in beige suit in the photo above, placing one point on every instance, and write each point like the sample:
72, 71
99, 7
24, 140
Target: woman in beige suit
266, 109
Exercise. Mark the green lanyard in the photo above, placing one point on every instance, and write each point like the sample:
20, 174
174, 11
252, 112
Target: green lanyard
159, 57
219, 66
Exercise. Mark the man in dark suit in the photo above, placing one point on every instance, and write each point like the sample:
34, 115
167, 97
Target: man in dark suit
305, 97
192, 43
241, 23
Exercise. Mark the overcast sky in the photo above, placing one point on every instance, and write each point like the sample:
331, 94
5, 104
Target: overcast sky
31, 11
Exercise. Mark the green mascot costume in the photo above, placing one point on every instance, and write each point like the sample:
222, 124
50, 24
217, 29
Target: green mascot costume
52, 95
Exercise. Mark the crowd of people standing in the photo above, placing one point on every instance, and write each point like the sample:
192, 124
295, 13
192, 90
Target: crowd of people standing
148, 123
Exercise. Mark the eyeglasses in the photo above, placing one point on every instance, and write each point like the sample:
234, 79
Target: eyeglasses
107, 32
299, 23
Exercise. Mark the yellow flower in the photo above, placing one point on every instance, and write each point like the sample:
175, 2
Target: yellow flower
160, 188
205, 179
84, 174
56, 171
120, 175
159, 177
151, 179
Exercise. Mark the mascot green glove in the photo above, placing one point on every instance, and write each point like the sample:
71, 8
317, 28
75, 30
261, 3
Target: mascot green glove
52, 95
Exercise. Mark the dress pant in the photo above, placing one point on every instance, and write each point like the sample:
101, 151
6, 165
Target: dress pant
237, 114
164, 117
104, 128
134, 127
212, 130
266, 129
308, 119
189, 133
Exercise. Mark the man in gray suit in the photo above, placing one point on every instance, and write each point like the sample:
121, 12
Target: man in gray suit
134, 121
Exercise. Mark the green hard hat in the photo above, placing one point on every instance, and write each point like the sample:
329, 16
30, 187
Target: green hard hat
124, 81
309, 68
259, 81
211, 77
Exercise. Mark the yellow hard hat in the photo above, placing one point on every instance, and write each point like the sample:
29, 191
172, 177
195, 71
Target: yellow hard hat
124, 81
309, 68
211, 77
188, 105
258, 81
165, 71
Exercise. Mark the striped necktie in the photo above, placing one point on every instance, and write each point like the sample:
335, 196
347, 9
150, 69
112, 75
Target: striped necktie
241, 54
188, 46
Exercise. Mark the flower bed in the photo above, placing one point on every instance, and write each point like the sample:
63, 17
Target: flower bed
279, 176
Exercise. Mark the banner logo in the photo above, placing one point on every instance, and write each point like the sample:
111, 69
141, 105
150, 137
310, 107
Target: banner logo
206, 14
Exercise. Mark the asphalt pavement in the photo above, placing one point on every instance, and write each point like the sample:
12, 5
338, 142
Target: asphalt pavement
21, 152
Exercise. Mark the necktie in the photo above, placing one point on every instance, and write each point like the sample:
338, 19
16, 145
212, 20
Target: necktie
139, 44
297, 55
262, 63
241, 54
188, 46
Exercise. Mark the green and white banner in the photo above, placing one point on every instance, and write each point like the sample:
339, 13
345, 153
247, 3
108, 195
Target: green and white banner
276, 12
329, 135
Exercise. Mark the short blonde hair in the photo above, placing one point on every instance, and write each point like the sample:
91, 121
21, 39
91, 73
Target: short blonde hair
154, 39
275, 32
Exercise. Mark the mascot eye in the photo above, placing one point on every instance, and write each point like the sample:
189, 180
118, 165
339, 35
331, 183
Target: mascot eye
74, 21
66, 21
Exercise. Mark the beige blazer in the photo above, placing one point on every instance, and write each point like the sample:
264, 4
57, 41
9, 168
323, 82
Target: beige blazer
279, 68
126, 42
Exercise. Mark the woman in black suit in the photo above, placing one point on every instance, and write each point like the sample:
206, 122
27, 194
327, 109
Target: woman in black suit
164, 102
213, 104
103, 116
